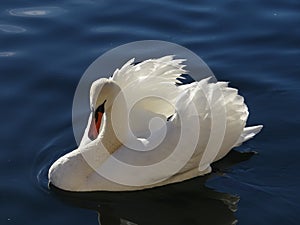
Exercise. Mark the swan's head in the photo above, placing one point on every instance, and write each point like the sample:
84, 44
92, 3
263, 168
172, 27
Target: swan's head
69, 171
102, 94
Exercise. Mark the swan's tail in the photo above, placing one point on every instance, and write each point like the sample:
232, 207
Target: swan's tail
248, 133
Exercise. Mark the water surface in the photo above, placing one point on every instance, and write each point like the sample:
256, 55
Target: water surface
45, 48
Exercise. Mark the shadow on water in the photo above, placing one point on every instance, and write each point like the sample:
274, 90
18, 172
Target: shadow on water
188, 202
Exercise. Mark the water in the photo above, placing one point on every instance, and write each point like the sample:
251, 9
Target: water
45, 48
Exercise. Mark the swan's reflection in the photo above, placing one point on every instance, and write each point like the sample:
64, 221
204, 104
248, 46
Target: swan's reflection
188, 202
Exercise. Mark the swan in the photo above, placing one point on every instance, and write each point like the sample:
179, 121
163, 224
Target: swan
147, 129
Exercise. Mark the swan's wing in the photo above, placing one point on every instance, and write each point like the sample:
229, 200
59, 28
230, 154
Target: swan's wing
151, 84
221, 115
237, 115
165, 69
198, 104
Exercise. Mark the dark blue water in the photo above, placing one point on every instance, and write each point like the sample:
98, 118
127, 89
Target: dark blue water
45, 48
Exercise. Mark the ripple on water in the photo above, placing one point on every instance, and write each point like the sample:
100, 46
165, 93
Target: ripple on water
11, 29
37, 11
7, 54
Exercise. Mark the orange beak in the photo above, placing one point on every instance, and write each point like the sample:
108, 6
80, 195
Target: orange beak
95, 126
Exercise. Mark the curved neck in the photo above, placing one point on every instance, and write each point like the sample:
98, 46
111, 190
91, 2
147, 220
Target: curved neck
114, 124
108, 135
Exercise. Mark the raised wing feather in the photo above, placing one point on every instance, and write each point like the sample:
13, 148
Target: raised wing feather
151, 80
149, 89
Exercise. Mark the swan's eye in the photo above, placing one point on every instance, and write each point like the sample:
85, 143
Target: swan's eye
100, 109
96, 121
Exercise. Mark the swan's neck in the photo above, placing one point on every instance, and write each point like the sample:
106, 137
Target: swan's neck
107, 135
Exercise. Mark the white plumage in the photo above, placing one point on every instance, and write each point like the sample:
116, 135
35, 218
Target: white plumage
138, 147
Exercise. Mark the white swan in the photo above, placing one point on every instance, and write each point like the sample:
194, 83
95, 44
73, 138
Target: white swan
194, 125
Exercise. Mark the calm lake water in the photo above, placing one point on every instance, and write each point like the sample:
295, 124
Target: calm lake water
45, 48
